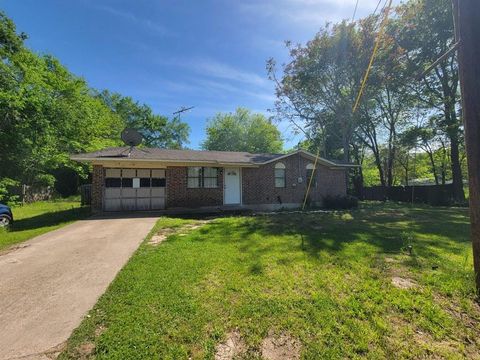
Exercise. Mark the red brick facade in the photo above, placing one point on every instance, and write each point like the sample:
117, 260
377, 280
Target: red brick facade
258, 184
179, 196
97, 187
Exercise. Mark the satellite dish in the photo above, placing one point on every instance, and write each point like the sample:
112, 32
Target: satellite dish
131, 137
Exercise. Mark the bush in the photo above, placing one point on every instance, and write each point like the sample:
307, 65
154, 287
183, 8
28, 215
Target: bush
6, 195
340, 202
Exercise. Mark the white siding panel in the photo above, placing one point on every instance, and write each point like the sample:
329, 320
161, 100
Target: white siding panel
143, 204
111, 193
158, 191
112, 173
143, 192
113, 205
129, 173
158, 203
129, 204
143, 173
158, 173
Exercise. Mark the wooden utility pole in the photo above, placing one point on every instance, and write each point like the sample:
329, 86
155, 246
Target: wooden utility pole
467, 24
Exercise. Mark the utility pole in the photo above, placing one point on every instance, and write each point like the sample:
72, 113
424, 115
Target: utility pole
467, 29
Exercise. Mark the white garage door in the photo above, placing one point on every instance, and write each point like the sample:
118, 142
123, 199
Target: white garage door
134, 189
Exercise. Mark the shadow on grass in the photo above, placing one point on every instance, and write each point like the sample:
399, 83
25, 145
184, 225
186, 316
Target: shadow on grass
49, 219
375, 228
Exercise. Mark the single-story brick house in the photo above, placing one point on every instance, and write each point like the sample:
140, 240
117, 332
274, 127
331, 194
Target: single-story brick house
157, 179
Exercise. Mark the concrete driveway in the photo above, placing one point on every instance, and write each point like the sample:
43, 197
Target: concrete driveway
48, 284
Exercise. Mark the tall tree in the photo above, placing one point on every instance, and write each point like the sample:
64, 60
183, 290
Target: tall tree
242, 131
427, 32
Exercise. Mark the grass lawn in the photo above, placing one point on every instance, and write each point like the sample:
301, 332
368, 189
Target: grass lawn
333, 296
40, 217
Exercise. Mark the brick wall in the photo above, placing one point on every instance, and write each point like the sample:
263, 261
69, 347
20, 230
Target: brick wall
179, 196
97, 187
258, 185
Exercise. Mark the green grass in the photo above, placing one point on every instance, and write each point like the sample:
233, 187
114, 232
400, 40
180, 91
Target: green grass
332, 291
40, 217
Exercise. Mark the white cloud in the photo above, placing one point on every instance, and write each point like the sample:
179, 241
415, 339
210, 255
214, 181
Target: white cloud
220, 70
306, 12
145, 23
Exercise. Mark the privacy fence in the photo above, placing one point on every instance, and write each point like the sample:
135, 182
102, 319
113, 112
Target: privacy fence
29, 193
429, 194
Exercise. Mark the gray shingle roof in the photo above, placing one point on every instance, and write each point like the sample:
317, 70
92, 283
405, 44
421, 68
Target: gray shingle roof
192, 156
177, 155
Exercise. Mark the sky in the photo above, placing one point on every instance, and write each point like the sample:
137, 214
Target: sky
210, 54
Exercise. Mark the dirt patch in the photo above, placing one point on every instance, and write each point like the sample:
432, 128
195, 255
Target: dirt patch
157, 239
403, 283
280, 347
85, 350
232, 346
471, 320
100, 330
163, 234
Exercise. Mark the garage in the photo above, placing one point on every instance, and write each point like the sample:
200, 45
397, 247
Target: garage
134, 189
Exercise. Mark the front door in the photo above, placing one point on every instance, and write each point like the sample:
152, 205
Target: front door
232, 186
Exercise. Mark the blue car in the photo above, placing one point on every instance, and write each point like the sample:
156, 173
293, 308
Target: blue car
6, 216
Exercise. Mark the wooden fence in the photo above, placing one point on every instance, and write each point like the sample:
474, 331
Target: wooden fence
428, 194
31, 193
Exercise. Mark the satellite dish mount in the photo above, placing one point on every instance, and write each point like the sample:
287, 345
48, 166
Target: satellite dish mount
132, 138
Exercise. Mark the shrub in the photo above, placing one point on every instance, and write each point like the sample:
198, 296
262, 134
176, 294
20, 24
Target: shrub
340, 202
6, 196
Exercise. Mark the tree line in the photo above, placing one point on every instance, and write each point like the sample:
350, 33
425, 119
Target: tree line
48, 113
408, 123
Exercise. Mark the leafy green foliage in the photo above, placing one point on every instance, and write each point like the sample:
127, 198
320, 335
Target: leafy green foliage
316, 90
242, 131
6, 197
47, 113
157, 130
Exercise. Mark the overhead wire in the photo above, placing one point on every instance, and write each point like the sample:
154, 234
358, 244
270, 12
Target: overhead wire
372, 57
355, 11
386, 8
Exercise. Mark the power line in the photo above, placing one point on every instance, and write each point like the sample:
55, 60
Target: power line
372, 58
355, 11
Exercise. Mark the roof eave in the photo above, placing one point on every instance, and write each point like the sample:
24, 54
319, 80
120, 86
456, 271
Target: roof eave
186, 162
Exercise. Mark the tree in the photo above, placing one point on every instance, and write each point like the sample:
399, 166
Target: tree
48, 113
318, 87
426, 33
157, 130
242, 131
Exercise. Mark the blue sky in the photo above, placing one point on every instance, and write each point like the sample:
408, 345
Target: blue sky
209, 54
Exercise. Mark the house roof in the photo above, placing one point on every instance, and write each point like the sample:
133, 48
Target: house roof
191, 156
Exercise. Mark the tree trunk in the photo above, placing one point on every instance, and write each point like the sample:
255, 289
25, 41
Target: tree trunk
467, 13
434, 168
457, 180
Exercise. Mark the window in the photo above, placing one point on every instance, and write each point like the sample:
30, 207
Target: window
310, 172
127, 182
202, 177
210, 177
113, 182
194, 177
158, 182
280, 175
145, 182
